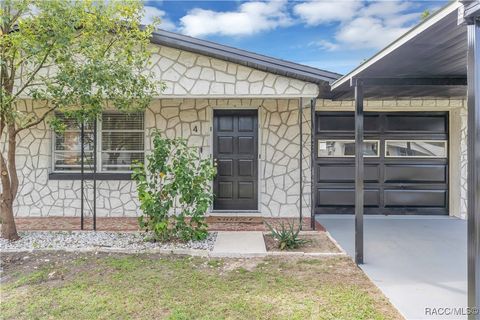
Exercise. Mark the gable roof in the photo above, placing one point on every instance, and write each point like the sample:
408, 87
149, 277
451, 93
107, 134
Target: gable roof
435, 48
243, 57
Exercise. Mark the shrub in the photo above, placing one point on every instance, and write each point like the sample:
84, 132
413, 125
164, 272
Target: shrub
174, 190
287, 236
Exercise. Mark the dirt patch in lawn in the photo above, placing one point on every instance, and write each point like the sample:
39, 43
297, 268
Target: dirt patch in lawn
147, 286
317, 242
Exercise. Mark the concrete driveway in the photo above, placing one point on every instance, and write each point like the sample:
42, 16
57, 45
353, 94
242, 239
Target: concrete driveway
418, 262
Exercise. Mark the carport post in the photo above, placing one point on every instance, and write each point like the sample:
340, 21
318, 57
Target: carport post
359, 171
473, 102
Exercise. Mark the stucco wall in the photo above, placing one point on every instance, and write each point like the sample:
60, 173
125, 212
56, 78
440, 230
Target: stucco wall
279, 168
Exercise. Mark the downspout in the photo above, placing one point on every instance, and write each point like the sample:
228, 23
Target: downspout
300, 123
313, 104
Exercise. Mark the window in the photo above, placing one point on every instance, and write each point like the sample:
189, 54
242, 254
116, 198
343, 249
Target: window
346, 148
416, 148
67, 152
120, 140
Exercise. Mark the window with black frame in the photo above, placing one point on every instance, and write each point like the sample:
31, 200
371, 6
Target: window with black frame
416, 148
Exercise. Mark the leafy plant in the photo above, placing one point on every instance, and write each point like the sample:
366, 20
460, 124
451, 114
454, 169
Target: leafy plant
174, 189
76, 58
287, 236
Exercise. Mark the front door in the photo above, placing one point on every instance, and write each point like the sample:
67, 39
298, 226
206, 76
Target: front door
235, 149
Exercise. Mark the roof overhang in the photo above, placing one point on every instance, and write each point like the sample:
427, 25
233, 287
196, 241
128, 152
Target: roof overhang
427, 61
246, 58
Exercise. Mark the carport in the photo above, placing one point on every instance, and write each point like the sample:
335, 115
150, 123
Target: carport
438, 58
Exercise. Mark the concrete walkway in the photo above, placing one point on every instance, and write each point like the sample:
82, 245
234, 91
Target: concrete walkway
418, 262
239, 244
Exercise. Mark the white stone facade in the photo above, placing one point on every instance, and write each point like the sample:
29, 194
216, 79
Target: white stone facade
196, 85
279, 170
189, 74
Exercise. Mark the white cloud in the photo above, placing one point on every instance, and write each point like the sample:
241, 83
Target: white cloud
319, 12
152, 13
361, 25
248, 19
324, 44
368, 32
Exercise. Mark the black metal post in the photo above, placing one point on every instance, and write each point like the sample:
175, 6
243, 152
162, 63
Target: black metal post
300, 123
82, 163
95, 174
313, 155
473, 103
359, 172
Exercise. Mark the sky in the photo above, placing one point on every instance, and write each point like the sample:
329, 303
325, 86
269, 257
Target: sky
334, 35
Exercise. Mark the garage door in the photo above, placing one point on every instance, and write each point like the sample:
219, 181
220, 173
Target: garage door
406, 163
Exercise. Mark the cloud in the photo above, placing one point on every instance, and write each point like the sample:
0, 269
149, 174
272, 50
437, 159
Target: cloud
319, 12
248, 19
152, 13
360, 25
324, 44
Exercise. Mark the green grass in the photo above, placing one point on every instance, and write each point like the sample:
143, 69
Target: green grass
147, 287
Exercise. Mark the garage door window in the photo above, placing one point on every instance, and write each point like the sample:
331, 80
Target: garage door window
346, 148
416, 148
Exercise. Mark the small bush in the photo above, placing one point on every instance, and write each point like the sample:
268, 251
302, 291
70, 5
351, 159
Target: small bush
174, 190
287, 236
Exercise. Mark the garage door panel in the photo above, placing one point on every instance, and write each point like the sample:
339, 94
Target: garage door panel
346, 197
415, 173
406, 181
345, 173
345, 123
415, 198
415, 123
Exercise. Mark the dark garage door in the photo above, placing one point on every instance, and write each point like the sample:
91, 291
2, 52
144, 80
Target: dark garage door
235, 150
406, 163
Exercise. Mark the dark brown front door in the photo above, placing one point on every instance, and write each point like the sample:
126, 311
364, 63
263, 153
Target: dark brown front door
235, 148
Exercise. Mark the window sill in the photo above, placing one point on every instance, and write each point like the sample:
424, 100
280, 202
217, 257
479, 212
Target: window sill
89, 176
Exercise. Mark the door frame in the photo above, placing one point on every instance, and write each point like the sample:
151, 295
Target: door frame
253, 212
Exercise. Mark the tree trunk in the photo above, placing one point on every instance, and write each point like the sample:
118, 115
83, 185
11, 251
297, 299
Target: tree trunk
9, 180
9, 230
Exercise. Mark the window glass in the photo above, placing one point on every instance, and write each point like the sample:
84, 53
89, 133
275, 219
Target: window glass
346, 148
122, 141
67, 154
416, 148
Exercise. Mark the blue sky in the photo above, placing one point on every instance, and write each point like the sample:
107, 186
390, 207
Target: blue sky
334, 35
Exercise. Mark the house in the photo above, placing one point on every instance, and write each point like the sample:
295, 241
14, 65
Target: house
253, 115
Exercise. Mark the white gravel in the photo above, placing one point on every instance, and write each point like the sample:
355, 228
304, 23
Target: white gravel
71, 240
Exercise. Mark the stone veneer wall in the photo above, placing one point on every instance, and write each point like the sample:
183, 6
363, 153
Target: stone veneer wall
457, 109
279, 164
188, 118
186, 73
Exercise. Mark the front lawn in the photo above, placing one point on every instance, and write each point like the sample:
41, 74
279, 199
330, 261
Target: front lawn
59, 285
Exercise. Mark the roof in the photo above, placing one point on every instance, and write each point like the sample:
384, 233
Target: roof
243, 57
435, 48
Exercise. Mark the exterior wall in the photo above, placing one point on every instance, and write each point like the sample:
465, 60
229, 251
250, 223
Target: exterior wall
188, 74
457, 109
279, 168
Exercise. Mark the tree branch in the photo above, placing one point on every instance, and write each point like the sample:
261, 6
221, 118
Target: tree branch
38, 121
34, 73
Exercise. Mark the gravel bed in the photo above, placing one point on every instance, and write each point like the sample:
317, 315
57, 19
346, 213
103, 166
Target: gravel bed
71, 240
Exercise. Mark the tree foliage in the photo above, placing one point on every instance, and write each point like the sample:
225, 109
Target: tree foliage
174, 189
75, 57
